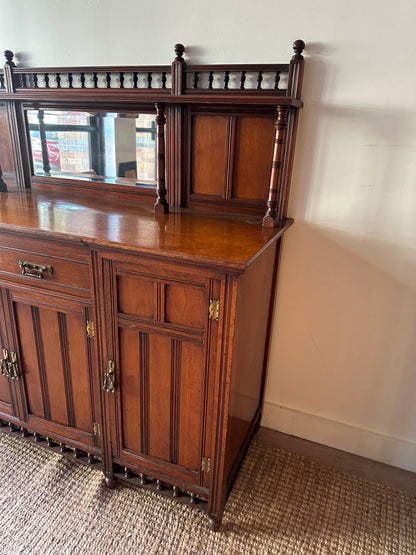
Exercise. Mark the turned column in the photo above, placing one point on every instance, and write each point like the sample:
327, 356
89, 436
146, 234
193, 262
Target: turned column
161, 206
280, 126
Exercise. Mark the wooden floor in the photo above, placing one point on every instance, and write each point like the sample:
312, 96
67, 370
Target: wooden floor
343, 461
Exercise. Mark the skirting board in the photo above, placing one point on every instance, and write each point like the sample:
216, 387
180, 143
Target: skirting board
366, 443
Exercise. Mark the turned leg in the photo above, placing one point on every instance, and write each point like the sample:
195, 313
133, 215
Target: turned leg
110, 481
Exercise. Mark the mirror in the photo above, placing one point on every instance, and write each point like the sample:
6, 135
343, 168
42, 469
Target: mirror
101, 146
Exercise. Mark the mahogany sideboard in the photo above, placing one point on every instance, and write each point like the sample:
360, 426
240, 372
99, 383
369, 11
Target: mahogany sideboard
141, 215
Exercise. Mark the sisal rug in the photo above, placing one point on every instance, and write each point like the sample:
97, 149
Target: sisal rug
281, 504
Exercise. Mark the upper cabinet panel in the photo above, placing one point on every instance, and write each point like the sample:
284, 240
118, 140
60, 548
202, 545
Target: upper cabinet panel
209, 155
252, 157
231, 160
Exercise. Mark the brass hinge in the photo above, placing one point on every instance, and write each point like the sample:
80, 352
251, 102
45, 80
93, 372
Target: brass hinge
206, 465
214, 310
96, 430
90, 329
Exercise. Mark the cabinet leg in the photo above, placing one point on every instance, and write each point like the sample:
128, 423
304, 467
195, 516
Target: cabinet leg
215, 523
110, 482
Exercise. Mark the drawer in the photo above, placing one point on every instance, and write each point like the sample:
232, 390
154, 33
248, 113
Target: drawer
39, 262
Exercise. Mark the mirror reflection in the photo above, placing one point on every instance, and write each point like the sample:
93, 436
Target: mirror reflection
101, 146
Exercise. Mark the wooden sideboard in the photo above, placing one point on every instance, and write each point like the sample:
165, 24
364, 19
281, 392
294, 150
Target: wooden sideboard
135, 315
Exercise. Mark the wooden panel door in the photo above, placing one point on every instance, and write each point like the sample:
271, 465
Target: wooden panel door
164, 348
55, 359
8, 402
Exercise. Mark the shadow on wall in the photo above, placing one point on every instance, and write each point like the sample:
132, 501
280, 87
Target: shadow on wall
347, 293
357, 327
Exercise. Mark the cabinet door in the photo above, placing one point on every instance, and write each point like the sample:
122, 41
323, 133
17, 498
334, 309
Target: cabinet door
164, 347
55, 359
8, 403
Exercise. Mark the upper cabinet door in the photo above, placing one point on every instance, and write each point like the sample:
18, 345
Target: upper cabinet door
55, 358
163, 351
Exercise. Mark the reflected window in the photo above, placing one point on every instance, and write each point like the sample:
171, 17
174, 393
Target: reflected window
106, 147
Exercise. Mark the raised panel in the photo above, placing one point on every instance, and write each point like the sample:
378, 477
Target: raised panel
191, 405
29, 359
186, 305
209, 155
160, 364
135, 296
131, 390
79, 371
162, 384
54, 370
55, 359
252, 157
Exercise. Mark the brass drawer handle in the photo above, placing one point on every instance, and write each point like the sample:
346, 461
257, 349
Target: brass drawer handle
109, 384
34, 270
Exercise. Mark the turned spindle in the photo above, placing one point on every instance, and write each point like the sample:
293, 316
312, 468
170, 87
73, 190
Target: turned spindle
175, 491
280, 125
161, 206
127, 472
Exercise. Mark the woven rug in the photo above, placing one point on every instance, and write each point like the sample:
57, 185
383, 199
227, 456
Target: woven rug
281, 504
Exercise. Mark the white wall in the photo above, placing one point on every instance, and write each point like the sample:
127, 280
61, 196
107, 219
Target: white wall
342, 367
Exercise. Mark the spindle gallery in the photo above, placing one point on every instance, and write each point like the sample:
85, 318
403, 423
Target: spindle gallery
142, 210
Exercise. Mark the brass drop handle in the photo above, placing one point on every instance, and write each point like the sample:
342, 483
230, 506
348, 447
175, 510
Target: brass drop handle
4, 370
14, 367
34, 270
9, 366
109, 384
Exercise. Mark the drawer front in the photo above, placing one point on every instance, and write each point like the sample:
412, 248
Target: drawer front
38, 263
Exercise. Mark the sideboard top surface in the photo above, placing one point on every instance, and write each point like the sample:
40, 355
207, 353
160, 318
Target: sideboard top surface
206, 238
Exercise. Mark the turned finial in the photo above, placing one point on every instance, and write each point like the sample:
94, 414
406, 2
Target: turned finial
298, 47
179, 50
9, 55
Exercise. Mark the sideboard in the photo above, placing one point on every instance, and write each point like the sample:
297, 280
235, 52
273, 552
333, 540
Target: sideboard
142, 210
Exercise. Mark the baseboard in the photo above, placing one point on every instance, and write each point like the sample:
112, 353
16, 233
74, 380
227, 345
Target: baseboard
373, 445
